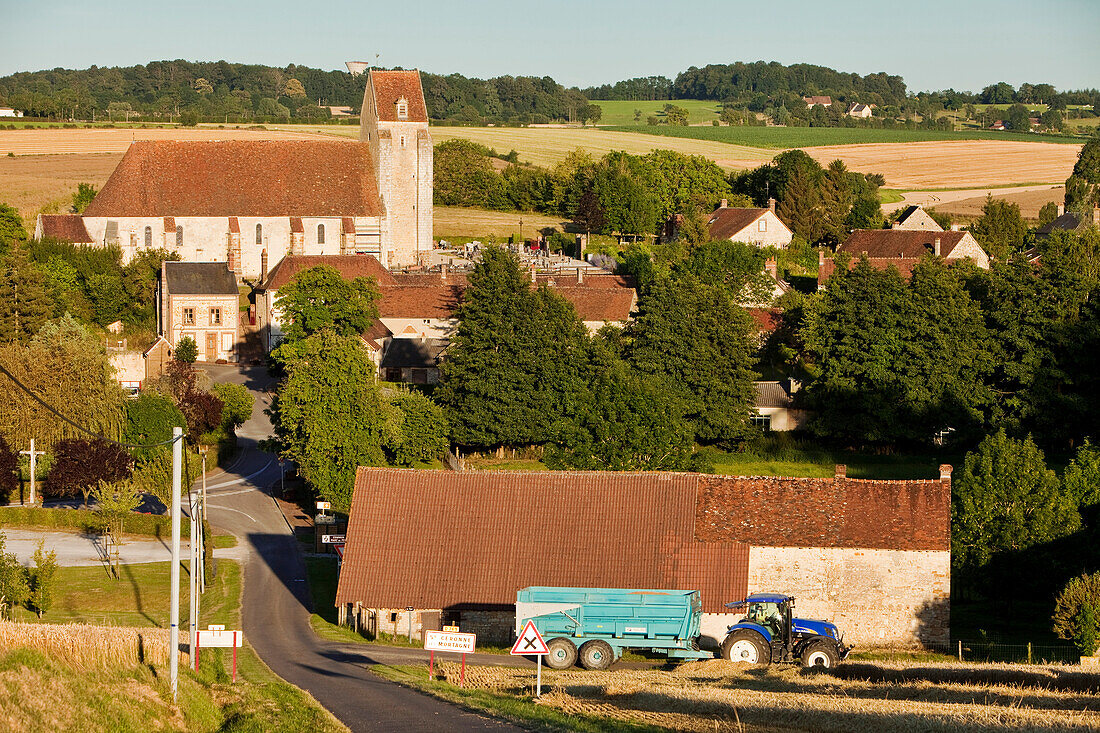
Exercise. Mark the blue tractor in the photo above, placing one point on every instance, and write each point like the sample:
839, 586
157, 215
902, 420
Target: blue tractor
770, 633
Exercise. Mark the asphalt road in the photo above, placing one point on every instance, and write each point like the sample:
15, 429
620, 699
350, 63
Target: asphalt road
275, 611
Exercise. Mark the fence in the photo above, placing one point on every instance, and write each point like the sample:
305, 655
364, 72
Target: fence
988, 651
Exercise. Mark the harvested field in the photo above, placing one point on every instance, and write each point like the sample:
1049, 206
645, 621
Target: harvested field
1030, 201
455, 221
720, 695
56, 142
971, 163
31, 183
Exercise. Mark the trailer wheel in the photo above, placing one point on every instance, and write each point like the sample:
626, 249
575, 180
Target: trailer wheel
563, 653
596, 655
820, 655
746, 646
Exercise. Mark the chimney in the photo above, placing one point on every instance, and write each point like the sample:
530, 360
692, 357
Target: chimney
841, 471
936, 247
945, 472
263, 265
956, 227
771, 205
725, 204
772, 266
793, 385
443, 272
1096, 216
820, 258
580, 276
1061, 209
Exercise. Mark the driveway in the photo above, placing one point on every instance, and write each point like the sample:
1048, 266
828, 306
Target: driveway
77, 548
275, 611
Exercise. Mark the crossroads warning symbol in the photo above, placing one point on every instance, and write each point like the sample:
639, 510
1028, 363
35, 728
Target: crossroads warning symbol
529, 642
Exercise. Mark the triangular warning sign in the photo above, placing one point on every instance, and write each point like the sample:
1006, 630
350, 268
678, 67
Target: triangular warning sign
529, 642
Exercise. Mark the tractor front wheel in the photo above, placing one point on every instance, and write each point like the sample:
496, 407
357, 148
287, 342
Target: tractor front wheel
820, 655
596, 655
563, 653
747, 647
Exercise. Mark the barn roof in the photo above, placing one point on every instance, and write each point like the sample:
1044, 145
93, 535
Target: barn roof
241, 178
443, 539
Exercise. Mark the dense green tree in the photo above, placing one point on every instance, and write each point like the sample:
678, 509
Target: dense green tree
187, 351
801, 206
11, 228
1077, 612
85, 192
736, 266
24, 305
1001, 230
999, 93
1052, 120
1048, 213
511, 370
463, 175
328, 415
1017, 118
680, 183
320, 298
149, 420
1081, 480
675, 115
9, 471
1005, 499
79, 464
629, 207
423, 430
836, 203
237, 402
1083, 185
590, 215
695, 338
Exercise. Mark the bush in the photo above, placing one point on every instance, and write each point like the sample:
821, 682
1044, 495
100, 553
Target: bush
149, 420
1077, 612
423, 433
186, 350
78, 465
237, 404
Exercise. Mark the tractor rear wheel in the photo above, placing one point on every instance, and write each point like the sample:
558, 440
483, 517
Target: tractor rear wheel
596, 655
746, 646
563, 653
820, 655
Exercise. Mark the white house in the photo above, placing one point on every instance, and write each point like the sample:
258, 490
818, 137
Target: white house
752, 226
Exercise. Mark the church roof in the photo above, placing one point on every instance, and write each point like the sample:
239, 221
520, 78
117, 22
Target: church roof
67, 227
241, 178
390, 86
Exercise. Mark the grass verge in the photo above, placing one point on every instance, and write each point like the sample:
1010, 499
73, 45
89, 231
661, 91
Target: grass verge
82, 520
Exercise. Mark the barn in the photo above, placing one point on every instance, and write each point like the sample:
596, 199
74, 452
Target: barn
454, 547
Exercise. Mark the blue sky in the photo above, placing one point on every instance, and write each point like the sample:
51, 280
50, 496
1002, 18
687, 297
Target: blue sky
933, 44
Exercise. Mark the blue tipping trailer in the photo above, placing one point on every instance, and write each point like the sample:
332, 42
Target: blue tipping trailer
595, 625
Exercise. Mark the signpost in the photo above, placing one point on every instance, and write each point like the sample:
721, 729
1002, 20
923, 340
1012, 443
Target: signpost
530, 643
333, 539
449, 641
216, 636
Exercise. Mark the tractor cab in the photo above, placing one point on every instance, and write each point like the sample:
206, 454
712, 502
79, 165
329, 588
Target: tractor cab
769, 632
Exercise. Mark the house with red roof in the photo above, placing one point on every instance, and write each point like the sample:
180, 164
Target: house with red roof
233, 201
760, 227
903, 249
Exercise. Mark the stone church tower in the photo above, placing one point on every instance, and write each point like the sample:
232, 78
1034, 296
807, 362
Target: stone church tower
394, 123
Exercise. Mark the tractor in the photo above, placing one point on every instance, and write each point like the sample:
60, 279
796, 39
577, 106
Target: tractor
770, 633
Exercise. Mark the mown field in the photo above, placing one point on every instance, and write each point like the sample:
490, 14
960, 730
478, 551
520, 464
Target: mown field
722, 696
805, 137
621, 112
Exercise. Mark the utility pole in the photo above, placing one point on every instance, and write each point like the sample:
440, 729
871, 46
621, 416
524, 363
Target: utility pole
34, 464
202, 537
193, 581
174, 611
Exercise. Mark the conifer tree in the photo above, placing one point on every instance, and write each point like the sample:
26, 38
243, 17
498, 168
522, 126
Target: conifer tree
24, 306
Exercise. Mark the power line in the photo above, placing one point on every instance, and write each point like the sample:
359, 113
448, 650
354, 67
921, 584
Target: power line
79, 427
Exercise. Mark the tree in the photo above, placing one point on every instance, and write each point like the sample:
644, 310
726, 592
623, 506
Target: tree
202, 86
9, 471
320, 298
1001, 230
43, 578
328, 414
1052, 120
590, 215
800, 205
24, 306
114, 502
423, 430
85, 192
836, 203
675, 115
1048, 213
463, 174
79, 464
1081, 481
13, 581
590, 113
1017, 118
293, 88
695, 339
187, 351
149, 420
1077, 613
11, 228
736, 266
1005, 500
237, 404
268, 107
203, 413
1083, 185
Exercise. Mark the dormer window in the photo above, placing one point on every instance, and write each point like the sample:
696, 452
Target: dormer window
402, 109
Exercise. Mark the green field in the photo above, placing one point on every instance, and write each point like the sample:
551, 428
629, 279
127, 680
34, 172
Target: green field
621, 112
807, 137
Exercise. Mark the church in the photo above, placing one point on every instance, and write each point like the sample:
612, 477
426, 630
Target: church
249, 203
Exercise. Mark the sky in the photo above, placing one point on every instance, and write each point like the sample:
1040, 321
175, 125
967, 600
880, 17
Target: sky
933, 44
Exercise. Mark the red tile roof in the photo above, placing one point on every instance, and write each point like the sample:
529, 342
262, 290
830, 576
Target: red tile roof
899, 243
904, 265
416, 301
67, 227
376, 334
439, 539
600, 304
766, 319
296, 226
349, 266
725, 223
241, 178
390, 86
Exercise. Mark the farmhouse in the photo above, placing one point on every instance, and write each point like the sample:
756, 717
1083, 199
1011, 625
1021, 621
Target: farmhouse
200, 300
456, 546
903, 249
775, 410
915, 218
232, 201
1069, 221
824, 101
9, 112
752, 226
860, 110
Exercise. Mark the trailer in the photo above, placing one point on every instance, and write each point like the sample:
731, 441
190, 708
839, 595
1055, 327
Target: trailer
595, 625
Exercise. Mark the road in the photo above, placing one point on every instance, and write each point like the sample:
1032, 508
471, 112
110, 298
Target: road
275, 612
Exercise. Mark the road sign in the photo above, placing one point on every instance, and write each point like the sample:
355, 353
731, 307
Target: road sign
217, 636
451, 628
333, 539
449, 641
323, 505
215, 627
529, 642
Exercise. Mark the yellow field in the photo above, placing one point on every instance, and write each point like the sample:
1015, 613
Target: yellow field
454, 221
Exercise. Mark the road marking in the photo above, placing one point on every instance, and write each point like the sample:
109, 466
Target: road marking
243, 478
230, 509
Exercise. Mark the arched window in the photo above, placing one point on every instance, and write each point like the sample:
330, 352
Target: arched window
179, 235
320, 234
259, 234
148, 237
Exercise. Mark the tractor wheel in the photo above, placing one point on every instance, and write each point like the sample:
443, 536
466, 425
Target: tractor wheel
596, 655
563, 653
747, 647
820, 655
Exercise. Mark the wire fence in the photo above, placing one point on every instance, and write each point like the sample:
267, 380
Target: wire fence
988, 651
